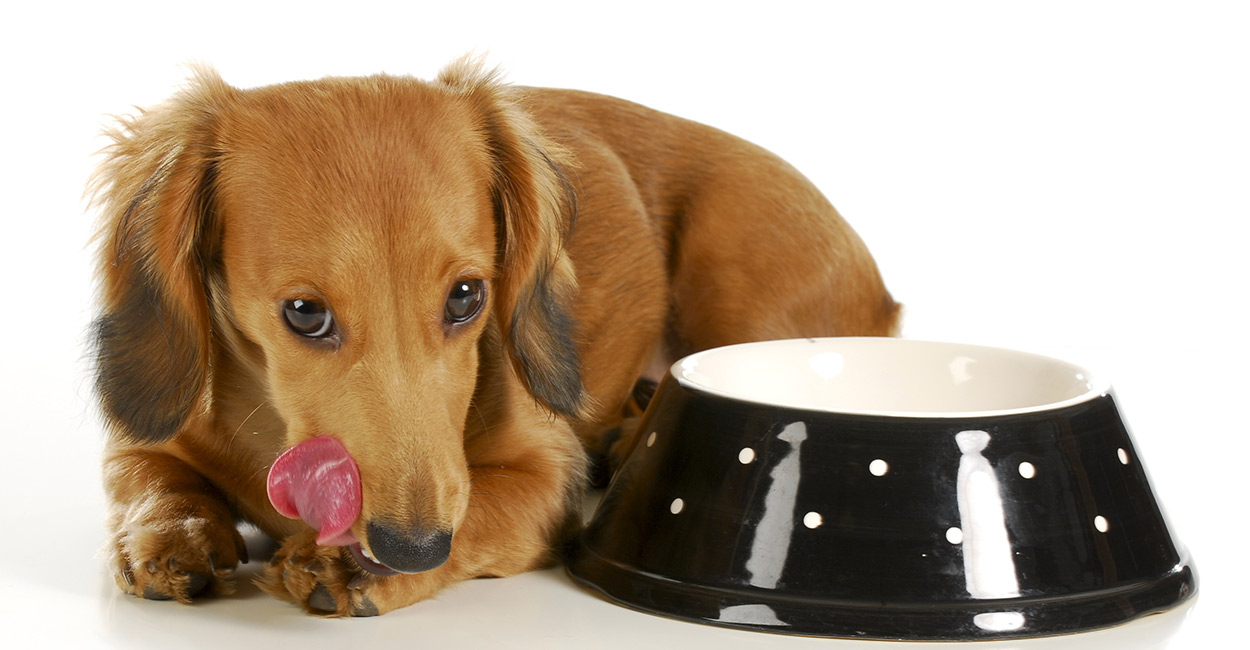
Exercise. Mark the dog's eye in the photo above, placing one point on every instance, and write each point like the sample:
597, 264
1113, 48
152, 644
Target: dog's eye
464, 300
308, 318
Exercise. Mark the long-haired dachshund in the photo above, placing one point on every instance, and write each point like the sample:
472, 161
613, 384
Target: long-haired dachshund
384, 319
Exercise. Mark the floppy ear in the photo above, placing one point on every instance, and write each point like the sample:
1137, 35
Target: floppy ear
155, 239
534, 209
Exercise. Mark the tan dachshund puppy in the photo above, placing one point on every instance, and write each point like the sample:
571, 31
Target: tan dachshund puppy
381, 318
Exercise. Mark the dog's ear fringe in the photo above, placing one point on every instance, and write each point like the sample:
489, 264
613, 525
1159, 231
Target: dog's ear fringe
535, 209
144, 399
469, 74
152, 191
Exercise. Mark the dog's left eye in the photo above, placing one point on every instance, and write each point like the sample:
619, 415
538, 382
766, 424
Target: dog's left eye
308, 318
464, 300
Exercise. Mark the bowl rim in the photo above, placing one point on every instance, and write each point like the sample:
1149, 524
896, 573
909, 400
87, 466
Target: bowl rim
1097, 386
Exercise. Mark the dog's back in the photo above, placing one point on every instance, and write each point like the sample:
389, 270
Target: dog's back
700, 238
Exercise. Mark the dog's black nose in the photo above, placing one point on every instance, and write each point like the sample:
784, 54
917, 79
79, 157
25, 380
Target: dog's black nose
408, 550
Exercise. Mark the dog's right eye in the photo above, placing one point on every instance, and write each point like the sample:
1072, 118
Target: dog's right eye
308, 318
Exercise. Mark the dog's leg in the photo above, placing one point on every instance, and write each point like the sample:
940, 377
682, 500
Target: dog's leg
173, 535
524, 498
614, 442
609, 439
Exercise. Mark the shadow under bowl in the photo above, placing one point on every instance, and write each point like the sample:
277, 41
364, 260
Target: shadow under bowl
884, 488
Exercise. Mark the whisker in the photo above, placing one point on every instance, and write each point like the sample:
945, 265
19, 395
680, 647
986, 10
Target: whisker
249, 416
491, 476
478, 455
484, 493
485, 425
262, 470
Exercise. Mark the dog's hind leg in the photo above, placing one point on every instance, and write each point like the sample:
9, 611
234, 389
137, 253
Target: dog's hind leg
763, 255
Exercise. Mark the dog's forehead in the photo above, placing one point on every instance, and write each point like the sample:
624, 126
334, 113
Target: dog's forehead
353, 174
354, 142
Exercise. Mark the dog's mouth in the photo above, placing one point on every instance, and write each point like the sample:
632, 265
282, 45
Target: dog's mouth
317, 481
363, 559
368, 563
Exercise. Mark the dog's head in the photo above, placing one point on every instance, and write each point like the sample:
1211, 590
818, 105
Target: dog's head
351, 246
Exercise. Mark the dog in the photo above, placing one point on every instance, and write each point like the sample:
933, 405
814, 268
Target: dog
389, 321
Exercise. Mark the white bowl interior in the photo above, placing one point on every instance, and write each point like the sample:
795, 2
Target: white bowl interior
883, 376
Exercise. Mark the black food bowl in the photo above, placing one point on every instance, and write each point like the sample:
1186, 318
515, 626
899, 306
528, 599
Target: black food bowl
884, 488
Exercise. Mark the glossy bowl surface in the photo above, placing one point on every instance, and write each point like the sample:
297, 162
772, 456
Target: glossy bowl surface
884, 488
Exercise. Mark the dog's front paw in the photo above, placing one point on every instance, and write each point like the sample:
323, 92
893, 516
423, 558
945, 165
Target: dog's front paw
322, 580
175, 548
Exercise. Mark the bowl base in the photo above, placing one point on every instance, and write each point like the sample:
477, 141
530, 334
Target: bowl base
981, 620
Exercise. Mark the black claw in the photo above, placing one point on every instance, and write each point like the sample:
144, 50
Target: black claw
321, 600
240, 547
196, 583
600, 459
151, 593
366, 608
644, 390
128, 576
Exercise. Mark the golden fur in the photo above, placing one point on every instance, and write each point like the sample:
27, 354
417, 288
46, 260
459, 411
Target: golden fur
611, 239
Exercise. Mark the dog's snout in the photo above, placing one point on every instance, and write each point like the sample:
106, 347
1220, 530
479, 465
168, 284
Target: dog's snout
408, 549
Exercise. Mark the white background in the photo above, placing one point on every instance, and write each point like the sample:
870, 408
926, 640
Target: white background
1063, 177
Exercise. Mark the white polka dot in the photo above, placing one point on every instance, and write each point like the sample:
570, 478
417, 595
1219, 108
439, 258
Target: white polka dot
1123, 455
1100, 522
651, 439
999, 621
1027, 470
954, 535
746, 455
813, 520
676, 506
878, 467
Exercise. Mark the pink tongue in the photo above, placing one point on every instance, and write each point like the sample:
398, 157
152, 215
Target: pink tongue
317, 481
